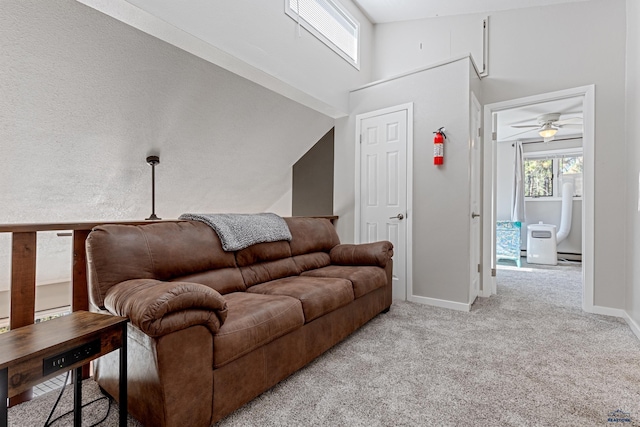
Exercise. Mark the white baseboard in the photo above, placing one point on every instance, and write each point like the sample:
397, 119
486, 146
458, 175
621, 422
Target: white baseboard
605, 311
460, 306
635, 328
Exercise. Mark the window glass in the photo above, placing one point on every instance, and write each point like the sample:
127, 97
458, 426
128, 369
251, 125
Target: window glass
538, 178
330, 23
570, 168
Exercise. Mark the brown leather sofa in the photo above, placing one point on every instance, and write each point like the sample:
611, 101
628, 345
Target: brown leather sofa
210, 330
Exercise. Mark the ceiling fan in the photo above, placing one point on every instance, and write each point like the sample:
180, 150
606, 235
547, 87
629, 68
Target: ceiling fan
549, 124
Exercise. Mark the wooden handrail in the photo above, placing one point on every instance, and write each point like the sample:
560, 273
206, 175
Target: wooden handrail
25, 228
19, 228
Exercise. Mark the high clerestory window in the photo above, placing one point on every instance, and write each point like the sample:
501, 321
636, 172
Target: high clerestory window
330, 23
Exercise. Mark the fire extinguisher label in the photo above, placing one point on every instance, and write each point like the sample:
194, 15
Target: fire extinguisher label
438, 150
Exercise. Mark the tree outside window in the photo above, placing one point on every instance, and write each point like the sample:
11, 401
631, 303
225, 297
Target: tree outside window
540, 174
538, 178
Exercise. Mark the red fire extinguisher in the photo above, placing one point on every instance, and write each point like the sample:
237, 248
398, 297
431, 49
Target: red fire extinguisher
438, 146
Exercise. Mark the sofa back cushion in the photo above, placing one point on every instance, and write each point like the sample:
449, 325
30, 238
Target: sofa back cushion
312, 240
162, 251
266, 261
311, 235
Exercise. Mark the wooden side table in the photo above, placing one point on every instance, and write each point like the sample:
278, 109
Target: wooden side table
35, 353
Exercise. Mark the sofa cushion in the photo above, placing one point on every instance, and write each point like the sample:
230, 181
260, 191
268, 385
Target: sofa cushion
318, 295
263, 252
311, 235
254, 320
266, 261
364, 279
267, 271
312, 261
223, 280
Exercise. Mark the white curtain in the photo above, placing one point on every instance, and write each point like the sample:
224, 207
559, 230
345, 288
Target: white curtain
517, 197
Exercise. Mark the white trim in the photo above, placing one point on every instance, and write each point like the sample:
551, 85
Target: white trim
453, 305
416, 71
409, 169
588, 143
606, 311
475, 103
635, 328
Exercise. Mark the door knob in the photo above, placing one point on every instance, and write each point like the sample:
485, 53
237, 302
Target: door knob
474, 215
399, 216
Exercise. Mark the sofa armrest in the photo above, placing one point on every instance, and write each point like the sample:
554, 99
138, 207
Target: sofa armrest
377, 253
158, 308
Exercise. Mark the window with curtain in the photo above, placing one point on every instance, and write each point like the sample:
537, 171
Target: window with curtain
330, 23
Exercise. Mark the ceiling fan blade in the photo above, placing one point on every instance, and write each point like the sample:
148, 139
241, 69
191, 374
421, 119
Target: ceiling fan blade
570, 126
525, 126
569, 120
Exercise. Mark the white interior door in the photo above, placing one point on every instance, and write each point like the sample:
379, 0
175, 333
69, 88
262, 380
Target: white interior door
383, 188
474, 202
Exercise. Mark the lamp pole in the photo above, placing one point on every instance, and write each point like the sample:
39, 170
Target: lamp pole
153, 161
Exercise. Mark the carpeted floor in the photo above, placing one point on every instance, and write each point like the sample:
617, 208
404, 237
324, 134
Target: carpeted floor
526, 357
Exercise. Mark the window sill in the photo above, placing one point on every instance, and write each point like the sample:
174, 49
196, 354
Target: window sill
548, 199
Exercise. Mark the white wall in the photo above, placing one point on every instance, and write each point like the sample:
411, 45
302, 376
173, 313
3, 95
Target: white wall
632, 305
536, 210
581, 43
408, 45
256, 40
85, 98
440, 194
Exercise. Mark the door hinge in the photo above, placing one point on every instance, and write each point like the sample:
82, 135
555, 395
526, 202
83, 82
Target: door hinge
493, 272
494, 136
479, 268
479, 132
361, 139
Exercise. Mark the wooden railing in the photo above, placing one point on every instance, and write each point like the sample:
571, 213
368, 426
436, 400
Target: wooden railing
23, 270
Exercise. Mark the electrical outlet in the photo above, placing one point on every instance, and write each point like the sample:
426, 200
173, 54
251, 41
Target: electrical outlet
70, 357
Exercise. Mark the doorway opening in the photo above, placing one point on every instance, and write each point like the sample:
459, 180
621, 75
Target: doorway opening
525, 120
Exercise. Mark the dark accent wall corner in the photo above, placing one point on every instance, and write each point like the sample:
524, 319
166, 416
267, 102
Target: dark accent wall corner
312, 189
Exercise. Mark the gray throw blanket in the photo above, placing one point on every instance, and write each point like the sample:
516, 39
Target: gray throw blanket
238, 231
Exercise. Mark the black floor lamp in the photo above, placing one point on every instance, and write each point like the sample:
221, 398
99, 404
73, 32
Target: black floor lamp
153, 161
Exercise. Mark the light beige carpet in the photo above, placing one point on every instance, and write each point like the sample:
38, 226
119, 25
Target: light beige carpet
526, 357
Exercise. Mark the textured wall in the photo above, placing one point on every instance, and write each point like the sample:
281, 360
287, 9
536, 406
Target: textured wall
85, 98
267, 43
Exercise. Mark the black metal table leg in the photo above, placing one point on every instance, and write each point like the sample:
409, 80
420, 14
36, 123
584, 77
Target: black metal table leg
77, 397
123, 377
4, 395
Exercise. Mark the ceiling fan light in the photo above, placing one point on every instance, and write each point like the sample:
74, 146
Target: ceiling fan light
547, 131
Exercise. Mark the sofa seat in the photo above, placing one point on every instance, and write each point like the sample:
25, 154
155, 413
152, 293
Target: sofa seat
253, 321
318, 295
364, 278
